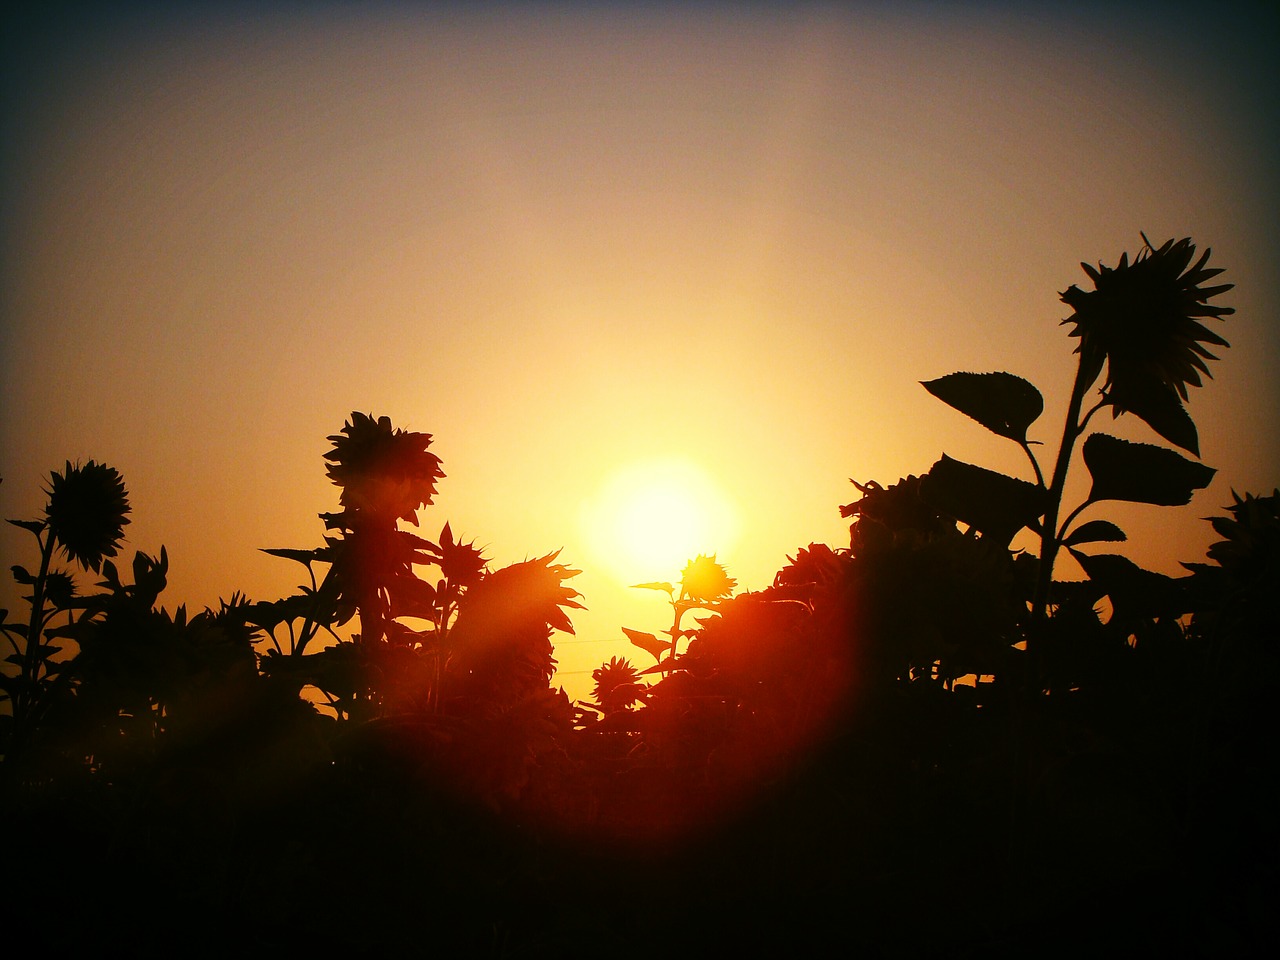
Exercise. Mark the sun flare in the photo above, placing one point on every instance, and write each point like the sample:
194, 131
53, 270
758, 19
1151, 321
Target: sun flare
649, 518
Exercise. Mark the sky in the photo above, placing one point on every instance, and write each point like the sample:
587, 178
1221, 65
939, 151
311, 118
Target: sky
597, 250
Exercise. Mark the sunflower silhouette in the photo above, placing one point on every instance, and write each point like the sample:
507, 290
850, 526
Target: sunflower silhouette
703, 579
383, 470
87, 512
1143, 320
617, 687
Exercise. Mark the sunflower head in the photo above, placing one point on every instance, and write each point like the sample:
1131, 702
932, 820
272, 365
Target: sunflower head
382, 470
60, 588
1143, 319
618, 686
703, 579
87, 512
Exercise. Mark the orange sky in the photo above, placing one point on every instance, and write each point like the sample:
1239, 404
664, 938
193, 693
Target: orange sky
566, 239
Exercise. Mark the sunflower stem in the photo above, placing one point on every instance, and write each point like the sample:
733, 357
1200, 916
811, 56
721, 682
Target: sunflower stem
1086, 373
24, 703
1035, 465
1062, 530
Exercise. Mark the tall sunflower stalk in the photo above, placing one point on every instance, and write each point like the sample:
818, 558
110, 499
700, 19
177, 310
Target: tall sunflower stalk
1141, 324
85, 515
1142, 320
704, 584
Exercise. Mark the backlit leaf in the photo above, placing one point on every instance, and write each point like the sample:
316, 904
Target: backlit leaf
304, 557
647, 642
996, 505
1095, 531
1134, 592
654, 586
1004, 404
1141, 473
1159, 406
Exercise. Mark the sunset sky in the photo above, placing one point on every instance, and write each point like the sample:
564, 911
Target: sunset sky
608, 255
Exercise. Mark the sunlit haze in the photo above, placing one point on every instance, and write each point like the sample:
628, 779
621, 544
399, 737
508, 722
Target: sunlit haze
659, 282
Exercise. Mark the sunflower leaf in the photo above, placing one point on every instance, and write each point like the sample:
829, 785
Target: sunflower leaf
1159, 407
304, 557
1095, 531
654, 586
996, 505
647, 642
1134, 592
1004, 404
1141, 473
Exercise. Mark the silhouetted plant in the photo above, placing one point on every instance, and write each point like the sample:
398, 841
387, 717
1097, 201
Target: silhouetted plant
1141, 321
85, 515
450, 673
704, 584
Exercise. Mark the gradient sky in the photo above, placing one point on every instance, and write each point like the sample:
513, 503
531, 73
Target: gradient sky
565, 239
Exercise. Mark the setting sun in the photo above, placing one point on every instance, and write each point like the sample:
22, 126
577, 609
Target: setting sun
650, 517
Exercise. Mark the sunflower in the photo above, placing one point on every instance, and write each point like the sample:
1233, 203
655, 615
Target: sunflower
86, 513
704, 579
382, 470
1143, 319
618, 686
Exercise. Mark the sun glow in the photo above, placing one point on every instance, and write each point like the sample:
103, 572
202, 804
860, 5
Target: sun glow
649, 518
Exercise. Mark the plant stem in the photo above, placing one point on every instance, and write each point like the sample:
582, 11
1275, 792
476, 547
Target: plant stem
1035, 465
1086, 373
24, 703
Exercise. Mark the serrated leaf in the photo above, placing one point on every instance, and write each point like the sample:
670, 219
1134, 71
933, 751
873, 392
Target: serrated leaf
1141, 472
1160, 408
995, 505
21, 575
1004, 404
647, 642
35, 526
1095, 531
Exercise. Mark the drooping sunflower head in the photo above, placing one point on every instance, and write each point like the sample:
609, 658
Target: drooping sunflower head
1143, 320
87, 512
703, 579
382, 470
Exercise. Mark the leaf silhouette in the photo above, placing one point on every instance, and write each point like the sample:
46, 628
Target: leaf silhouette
1134, 592
1159, 407
1004, 404
304, 557
1095, 531
996, 505
1141, 473
669, 588
647, 642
